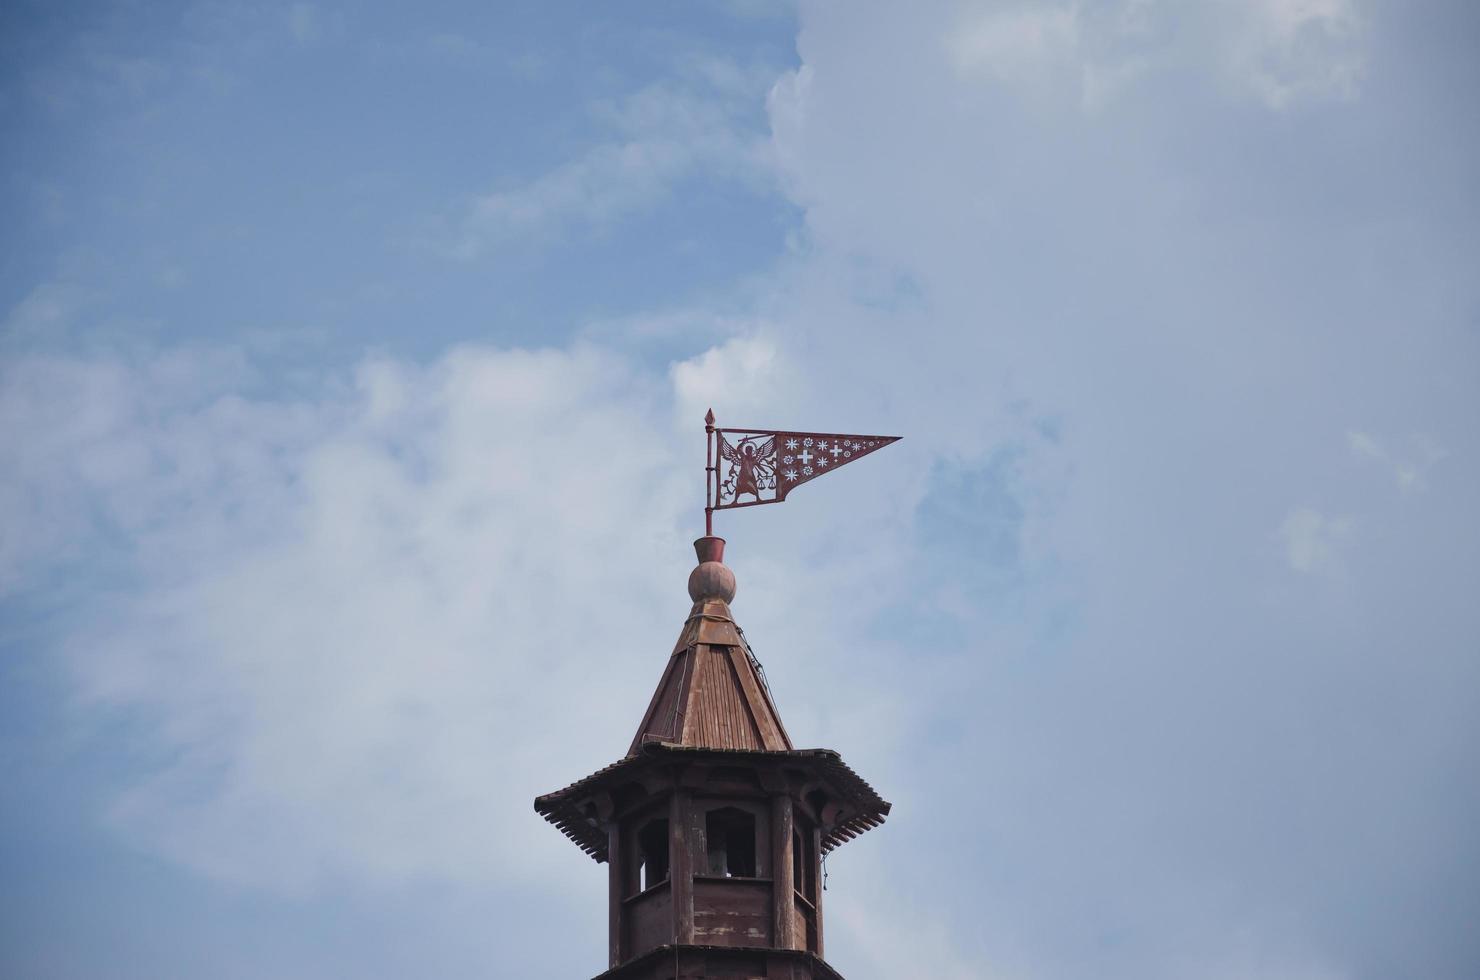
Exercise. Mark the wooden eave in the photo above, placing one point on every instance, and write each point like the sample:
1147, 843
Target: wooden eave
575, 814
665, 954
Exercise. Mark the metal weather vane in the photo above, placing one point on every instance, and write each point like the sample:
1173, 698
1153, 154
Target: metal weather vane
761, 466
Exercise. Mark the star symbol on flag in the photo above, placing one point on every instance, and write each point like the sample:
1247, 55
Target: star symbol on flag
791, 444
791, 475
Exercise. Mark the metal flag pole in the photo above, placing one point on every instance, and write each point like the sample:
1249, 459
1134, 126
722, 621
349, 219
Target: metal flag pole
709, 473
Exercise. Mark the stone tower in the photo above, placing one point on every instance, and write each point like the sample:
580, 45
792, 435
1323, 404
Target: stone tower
713, 826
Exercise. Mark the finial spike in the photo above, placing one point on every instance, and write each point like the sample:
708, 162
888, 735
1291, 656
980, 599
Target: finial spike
709, 417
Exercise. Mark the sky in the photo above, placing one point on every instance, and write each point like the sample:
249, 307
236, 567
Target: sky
353, 363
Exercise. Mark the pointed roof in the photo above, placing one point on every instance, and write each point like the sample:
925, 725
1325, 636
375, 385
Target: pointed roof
712, 707
712, 694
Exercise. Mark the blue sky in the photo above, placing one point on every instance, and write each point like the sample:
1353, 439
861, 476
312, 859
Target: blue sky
352, 366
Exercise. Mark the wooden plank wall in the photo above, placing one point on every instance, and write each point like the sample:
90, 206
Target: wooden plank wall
732, 911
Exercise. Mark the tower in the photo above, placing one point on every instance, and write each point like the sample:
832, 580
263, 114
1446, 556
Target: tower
713, 826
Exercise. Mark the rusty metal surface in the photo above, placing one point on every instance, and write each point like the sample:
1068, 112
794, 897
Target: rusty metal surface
762, 466
710, 695
748, 467
709, 622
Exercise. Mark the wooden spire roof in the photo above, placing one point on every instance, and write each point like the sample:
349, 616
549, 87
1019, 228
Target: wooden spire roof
711, 694
713, 708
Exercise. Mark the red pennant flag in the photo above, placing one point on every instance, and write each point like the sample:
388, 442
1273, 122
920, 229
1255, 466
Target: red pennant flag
761, 466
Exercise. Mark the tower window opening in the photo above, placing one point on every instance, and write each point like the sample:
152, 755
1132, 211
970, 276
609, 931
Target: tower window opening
652, 846
730, 837
802, 874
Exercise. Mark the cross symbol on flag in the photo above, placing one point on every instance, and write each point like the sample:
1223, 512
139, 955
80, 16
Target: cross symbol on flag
745, 467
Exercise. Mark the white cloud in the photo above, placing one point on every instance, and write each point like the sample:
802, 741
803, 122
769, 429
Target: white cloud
43, 314
1017, 44
358, 633
607, 182
659, 135
1160, 284
1281, 51
78, 429
1410, 471
745, 376
303, 22
1294, 50
1362, 444
1312, 539
359, 629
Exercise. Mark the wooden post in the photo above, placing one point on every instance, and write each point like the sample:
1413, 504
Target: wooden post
616, 890
681, 866
783, 910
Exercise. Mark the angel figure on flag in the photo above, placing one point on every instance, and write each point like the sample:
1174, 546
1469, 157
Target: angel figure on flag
752, 467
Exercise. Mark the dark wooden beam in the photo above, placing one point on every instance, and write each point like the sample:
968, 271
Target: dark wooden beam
616, 888
681, 864
783, 906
